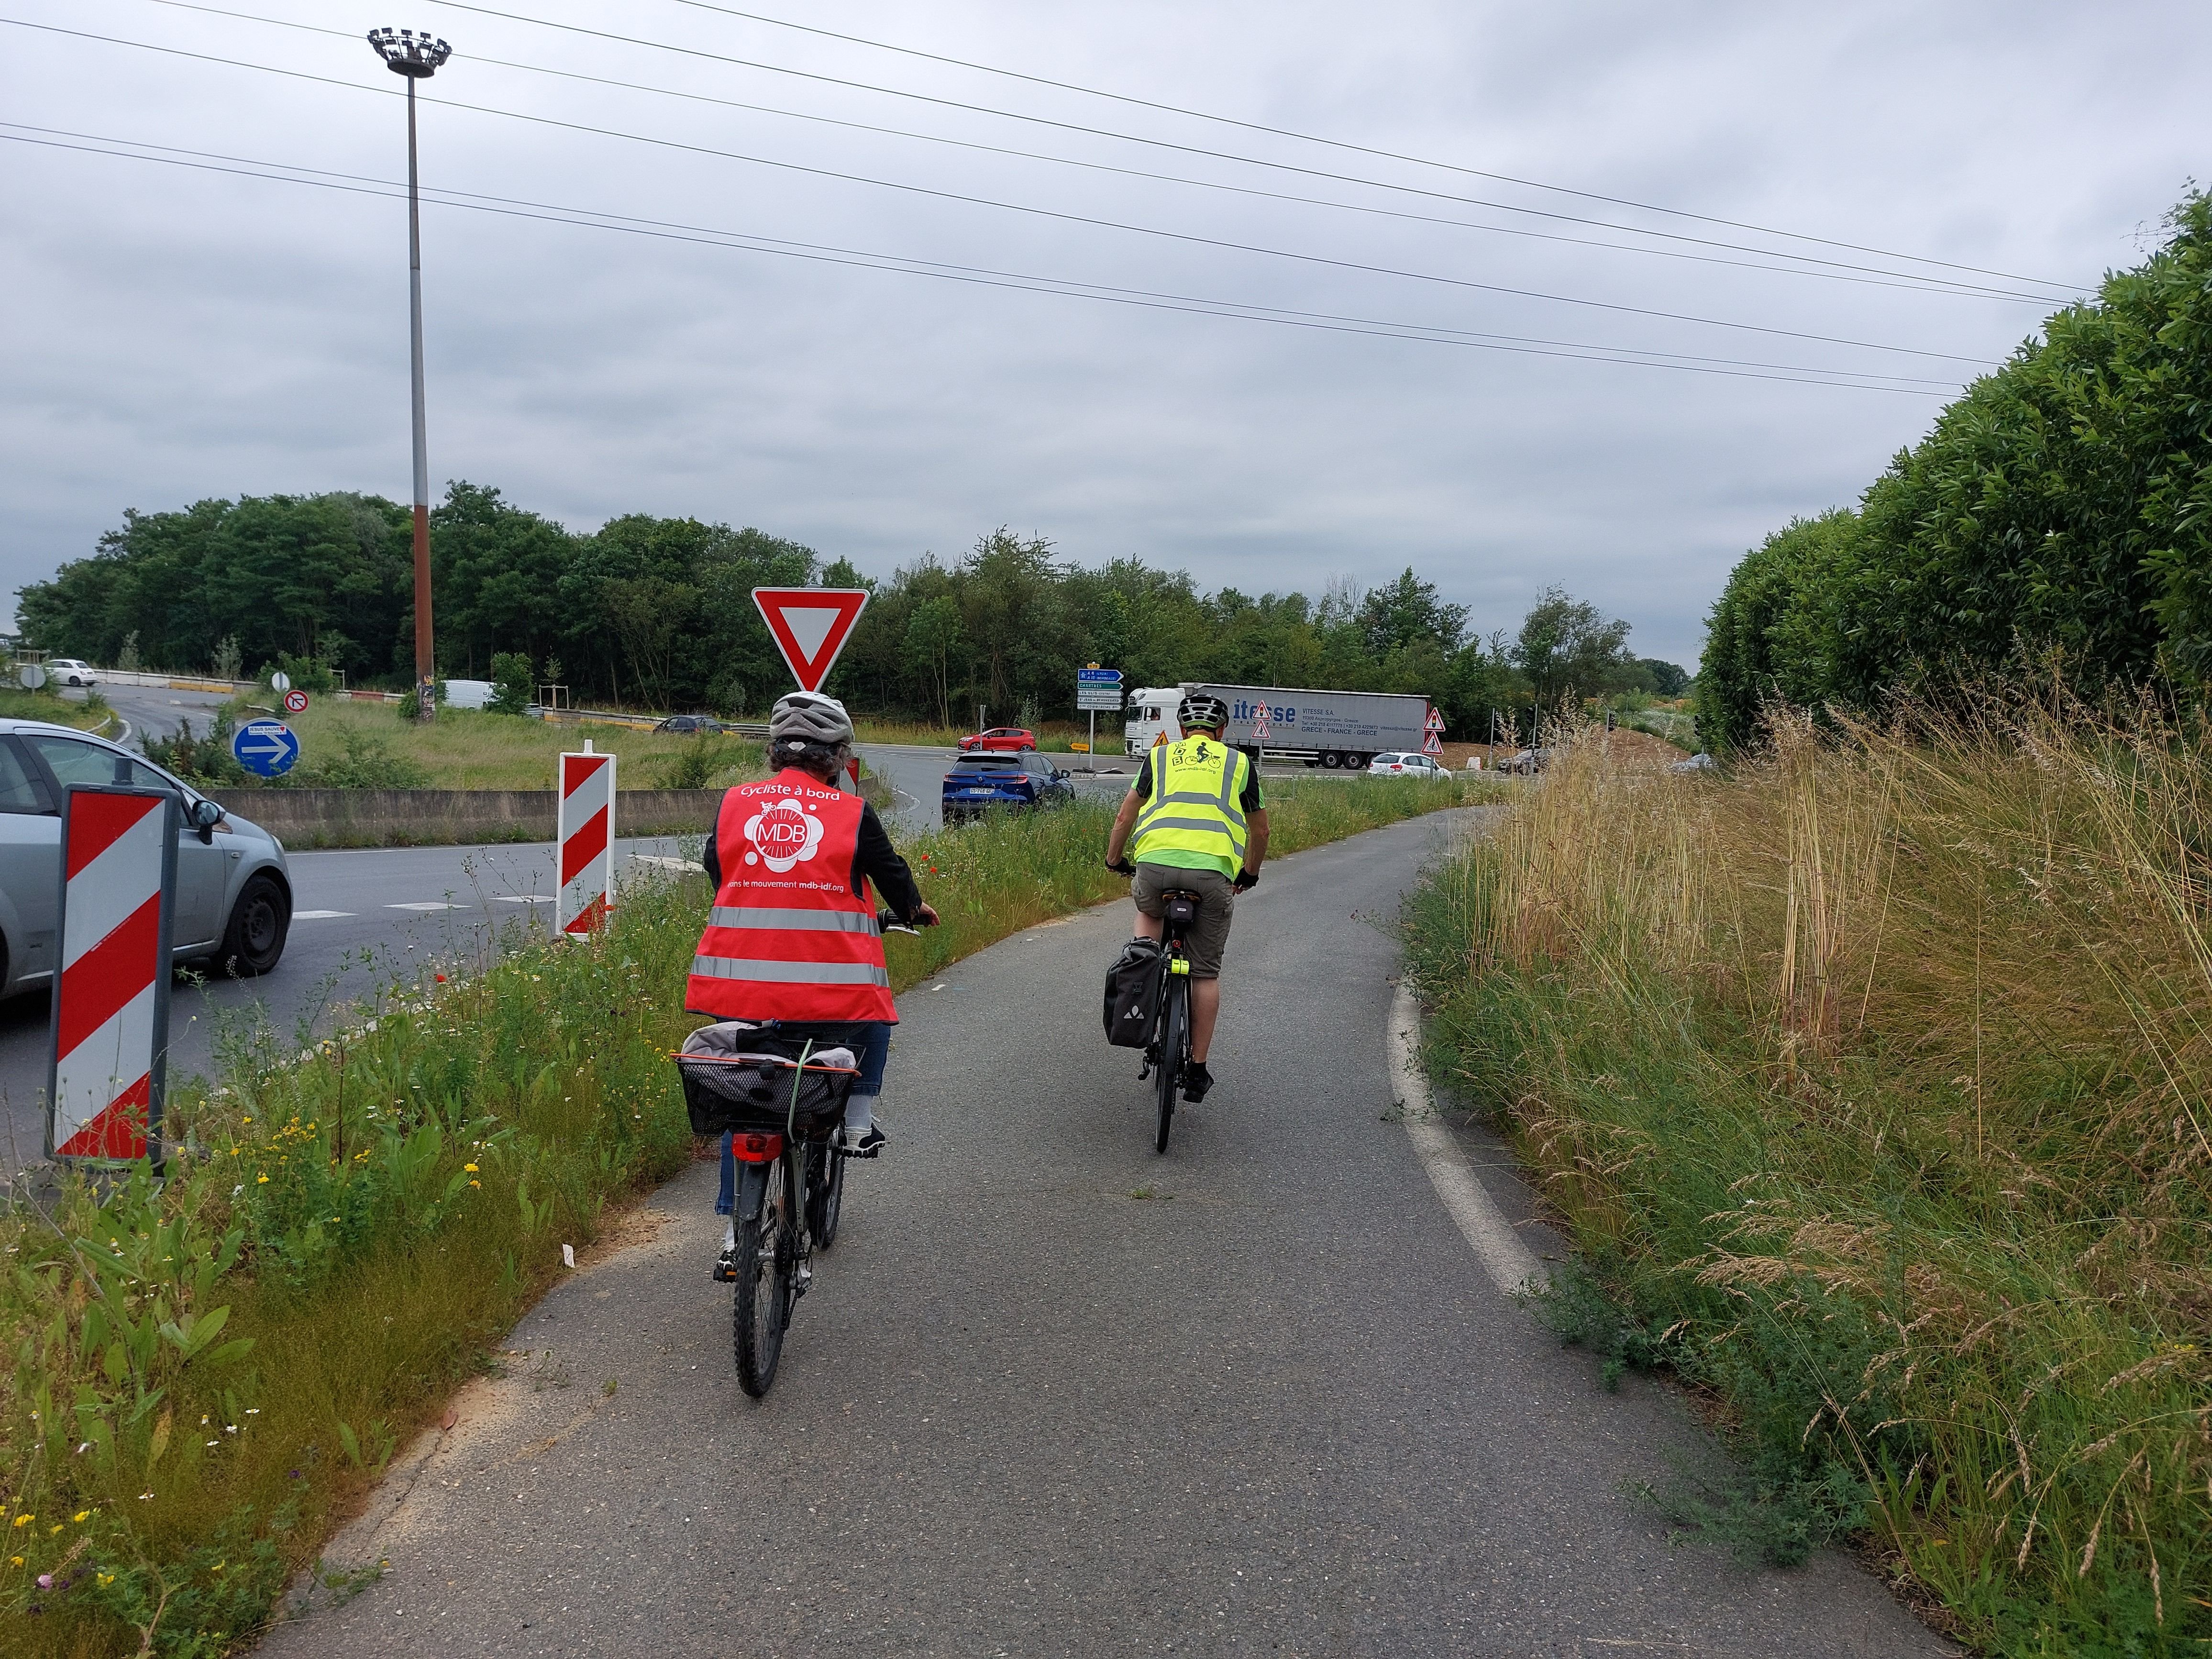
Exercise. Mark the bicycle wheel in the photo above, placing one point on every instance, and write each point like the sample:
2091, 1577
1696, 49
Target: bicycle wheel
767, 1257
826, 1194
1175, 1036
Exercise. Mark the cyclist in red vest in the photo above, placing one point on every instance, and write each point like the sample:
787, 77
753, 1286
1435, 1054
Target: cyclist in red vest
793, 937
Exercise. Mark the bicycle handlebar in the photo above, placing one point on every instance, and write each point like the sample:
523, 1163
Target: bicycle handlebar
887, 921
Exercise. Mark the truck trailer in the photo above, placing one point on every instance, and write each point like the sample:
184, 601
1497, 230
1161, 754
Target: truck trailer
1332, 729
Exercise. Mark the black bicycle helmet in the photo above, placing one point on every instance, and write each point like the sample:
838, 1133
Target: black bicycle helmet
1200, 711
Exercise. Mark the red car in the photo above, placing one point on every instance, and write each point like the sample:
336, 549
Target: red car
1004, 740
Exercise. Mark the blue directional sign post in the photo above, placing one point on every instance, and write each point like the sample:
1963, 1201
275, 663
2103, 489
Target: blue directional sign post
265, 747
1097, 687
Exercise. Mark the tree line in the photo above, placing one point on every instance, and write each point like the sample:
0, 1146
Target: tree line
657, 613
2057, 519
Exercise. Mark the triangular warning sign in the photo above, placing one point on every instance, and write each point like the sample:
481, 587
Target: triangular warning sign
810, 626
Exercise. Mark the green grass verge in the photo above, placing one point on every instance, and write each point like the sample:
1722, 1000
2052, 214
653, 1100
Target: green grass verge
1870, 1082
365, 745
202, 1378
90, 716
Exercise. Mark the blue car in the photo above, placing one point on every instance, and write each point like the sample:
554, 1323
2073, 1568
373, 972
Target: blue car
978, 782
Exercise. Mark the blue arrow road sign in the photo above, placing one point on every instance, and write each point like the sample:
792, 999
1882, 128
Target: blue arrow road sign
265, 747
1098, 676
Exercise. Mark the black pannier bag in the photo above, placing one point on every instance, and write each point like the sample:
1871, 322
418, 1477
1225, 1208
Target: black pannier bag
739, 1077
1133, 992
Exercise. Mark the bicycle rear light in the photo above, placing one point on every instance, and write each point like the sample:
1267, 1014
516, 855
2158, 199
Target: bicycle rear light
756, 1148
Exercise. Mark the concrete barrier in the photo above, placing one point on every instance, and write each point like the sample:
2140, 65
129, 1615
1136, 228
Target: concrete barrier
308, 819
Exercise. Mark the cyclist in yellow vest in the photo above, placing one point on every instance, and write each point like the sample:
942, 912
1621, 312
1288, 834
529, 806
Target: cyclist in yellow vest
1194, 821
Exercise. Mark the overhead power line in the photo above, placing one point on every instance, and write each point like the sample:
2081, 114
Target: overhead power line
1189, 149
1184, 237
1334, 144
1909, 282
587, 218
1805, 266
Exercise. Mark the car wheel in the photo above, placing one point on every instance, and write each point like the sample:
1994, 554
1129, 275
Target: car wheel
1026, 749
254, 941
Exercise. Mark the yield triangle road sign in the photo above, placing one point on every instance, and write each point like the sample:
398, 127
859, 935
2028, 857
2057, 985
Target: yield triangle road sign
810, 626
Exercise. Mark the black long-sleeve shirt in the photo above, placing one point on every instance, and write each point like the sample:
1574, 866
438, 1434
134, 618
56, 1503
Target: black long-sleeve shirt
874, 860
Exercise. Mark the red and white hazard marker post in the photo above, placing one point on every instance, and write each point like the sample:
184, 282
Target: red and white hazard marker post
585, 832
111, 1002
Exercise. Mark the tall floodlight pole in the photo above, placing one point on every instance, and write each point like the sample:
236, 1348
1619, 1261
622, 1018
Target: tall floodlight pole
416, 57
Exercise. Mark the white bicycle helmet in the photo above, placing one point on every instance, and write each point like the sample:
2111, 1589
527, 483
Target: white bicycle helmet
1200, 711
807, 719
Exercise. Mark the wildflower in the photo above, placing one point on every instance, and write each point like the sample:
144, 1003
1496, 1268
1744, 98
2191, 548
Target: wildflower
143, 1495
25, 1519
263, 1182
45, 1581
78, 1519
105, 1579
470, 1168
52, 1530
475, 1184
15, 1560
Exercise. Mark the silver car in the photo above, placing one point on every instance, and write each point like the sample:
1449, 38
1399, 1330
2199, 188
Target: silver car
234, 891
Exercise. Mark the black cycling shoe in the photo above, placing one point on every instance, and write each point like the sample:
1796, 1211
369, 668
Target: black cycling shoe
870, 1144
726, 1266
1196, 1080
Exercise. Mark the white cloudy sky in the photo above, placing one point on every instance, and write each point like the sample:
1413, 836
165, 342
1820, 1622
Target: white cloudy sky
172, 333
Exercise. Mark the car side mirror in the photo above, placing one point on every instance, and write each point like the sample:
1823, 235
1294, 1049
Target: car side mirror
206, 814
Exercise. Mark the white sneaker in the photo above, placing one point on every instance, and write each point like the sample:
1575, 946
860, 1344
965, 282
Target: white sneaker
861, 1143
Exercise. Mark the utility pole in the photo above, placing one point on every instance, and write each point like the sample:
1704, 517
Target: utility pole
417, 57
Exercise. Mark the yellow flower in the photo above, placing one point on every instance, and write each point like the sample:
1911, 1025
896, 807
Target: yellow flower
15, 1560
470, 1168
263, 1182
52, 1530
106, 1578
475, 1184
25, 1519
78, 1518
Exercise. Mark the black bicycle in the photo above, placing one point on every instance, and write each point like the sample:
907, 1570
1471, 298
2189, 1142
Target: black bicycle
1167, 1057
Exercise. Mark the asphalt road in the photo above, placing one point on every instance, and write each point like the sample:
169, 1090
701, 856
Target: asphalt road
1054, 1395
359, 919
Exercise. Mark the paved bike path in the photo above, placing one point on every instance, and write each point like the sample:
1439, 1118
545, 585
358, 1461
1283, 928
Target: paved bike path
1054, 1394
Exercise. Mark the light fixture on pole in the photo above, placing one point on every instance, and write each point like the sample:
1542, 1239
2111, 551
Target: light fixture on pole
417, 56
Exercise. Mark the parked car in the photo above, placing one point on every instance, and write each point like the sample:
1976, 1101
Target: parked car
1407, 765
1529, 762
70, 671
696, 723
233, 903
1000, 739
977, 783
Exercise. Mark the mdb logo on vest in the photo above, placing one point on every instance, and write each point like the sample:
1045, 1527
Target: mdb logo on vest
784, 833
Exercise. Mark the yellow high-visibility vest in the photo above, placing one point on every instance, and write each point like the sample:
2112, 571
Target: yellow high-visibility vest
1194, 807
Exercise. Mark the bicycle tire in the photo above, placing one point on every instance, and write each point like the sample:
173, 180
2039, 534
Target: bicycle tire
767, 1256
825, 1197
1175, 1035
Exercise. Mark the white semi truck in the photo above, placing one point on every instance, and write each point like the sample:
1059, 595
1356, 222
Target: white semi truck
1321, 728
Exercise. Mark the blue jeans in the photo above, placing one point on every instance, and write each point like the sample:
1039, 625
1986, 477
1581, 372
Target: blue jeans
869, 1039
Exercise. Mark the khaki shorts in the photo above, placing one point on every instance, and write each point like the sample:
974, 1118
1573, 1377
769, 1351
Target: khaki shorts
1209, 935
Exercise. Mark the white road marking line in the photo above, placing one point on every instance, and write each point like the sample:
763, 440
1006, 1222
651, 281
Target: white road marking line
523, 898
318, 915
1512, 1265
427, 904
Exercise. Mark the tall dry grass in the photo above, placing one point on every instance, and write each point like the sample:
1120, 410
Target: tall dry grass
1876, 1077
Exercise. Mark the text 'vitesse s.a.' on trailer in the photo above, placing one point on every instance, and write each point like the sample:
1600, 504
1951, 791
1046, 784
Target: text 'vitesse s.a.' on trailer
1293, 723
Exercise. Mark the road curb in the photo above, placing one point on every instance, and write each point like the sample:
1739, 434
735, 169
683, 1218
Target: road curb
1512, 1265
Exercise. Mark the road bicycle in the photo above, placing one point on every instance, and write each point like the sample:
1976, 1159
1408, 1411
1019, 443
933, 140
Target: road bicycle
1167, 1057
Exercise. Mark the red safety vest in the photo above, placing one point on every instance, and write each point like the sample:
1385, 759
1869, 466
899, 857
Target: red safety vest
792, 936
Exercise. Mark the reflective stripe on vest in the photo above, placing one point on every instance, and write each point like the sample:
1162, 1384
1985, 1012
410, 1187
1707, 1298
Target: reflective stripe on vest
790, 936
1204, 819
818, 922
790, 973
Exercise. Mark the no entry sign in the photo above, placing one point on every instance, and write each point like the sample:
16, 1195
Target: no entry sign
111, 1004
810, 626
585, 829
